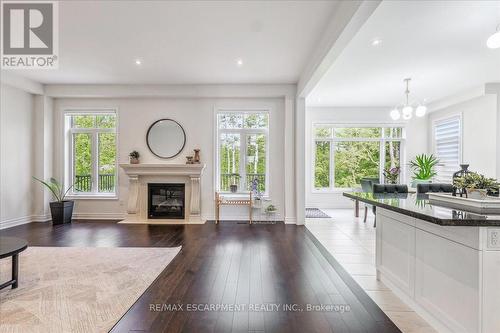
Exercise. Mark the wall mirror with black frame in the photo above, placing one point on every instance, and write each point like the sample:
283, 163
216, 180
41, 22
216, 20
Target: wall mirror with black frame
166, 138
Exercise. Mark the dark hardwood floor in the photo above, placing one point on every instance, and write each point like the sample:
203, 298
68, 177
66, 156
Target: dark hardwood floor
234, 265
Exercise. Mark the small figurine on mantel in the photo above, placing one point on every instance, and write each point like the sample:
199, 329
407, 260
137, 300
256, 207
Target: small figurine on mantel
196, 156
189, 160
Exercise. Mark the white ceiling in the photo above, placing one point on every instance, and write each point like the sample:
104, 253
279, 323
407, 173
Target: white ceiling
185, 42
441, 45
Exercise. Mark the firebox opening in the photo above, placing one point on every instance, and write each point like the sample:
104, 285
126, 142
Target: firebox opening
166, 201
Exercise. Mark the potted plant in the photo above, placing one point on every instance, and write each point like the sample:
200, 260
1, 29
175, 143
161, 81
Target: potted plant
134, 157
423, 167
61, 210
392, 175
235, 179
271, 210
476, 185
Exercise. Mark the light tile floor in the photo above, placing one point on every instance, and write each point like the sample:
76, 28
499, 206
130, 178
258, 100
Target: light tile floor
352, 244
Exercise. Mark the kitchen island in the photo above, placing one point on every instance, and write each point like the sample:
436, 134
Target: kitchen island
443, 262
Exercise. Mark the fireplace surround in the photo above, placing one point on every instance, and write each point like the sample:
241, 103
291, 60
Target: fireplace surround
140, 176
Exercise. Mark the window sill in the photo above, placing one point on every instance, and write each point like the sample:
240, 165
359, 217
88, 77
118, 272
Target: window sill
92, 197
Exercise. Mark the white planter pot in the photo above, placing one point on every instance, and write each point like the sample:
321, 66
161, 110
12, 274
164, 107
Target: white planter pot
477, 194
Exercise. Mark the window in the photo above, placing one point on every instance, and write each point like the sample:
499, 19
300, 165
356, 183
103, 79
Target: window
242, 154
344, 154
91, 152
447, 147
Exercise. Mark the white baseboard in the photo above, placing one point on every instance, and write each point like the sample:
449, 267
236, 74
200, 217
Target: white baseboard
227, 218
40, 218
98, 216
288, 220
9, 223
330, 206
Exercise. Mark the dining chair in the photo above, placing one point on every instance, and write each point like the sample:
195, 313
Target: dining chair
435, 188
388, 189
367, 187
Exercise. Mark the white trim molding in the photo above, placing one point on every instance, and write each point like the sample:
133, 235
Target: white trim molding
9, 223
170, 90
98, 216
21, 83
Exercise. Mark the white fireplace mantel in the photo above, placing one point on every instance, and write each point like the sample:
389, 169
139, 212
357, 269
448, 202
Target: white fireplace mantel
190, 170
136, 209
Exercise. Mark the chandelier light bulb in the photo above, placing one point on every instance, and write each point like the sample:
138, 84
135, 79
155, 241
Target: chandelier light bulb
421, 110
407, 112
395, 114
494, 41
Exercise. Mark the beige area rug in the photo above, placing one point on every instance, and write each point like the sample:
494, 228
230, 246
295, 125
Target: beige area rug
71, 289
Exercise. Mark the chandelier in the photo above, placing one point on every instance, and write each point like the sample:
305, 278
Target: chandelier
406, 109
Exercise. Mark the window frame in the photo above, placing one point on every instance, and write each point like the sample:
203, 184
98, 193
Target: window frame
444, 119
382, 141
243, 132
68, 160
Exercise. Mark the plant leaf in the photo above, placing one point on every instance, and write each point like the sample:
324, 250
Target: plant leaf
50, 187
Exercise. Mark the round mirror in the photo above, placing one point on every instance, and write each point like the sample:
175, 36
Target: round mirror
166, 138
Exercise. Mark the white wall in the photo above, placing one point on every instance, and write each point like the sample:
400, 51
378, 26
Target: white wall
44, 154
196, 115
479, 131
416, 143
16, 156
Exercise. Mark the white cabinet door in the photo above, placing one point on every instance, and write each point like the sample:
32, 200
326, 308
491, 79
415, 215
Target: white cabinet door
447, 281
491, 291
396, 252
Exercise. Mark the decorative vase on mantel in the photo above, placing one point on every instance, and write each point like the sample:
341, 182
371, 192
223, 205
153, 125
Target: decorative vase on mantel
134, 157
196, 159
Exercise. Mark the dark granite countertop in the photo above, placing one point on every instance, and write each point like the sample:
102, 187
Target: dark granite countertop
418, 206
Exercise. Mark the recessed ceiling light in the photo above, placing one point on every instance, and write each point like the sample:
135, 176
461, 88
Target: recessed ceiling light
376, 42
138, 62
239, 62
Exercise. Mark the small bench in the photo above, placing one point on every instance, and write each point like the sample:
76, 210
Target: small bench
221, 201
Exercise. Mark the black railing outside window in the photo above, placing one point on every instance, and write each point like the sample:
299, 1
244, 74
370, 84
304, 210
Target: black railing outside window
83, 183
228, 179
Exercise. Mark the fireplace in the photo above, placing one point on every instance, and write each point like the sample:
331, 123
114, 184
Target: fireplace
166, 201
